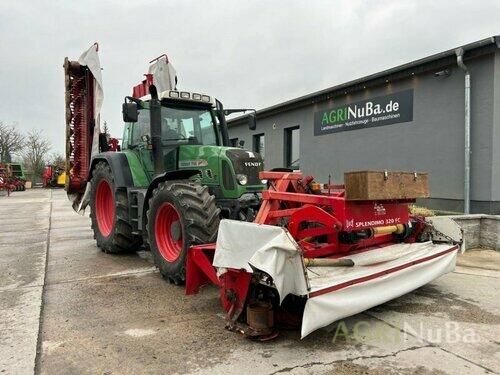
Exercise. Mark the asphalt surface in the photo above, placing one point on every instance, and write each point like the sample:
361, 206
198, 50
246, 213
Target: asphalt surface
66, 307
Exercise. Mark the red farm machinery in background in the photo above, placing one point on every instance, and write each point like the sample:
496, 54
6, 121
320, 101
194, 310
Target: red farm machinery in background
5, 183
12, 177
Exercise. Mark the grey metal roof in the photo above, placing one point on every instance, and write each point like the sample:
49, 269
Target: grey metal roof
436, 61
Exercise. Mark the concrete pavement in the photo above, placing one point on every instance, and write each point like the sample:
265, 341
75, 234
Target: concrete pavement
24, 228
115, 314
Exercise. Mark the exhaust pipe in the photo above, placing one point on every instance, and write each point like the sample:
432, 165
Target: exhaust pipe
155, 127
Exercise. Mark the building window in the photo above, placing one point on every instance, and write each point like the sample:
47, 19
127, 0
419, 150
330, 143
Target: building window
292, 148
233, 142
259, 144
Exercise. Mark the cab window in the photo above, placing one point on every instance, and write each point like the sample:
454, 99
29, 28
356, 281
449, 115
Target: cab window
178, 125
141, 127
195, 125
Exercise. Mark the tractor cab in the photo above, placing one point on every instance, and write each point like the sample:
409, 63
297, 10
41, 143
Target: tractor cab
180, 130
183, 123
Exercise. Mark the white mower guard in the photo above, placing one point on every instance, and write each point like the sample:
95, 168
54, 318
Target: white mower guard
379, 274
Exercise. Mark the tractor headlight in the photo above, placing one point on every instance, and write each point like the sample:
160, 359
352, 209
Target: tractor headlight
263, 182
242, 179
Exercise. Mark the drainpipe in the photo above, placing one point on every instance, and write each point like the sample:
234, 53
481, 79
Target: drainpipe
460, 62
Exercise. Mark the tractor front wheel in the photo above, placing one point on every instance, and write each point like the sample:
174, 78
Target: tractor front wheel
181, 214
109, 213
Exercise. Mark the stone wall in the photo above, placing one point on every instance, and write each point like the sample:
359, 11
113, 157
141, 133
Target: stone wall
480, 230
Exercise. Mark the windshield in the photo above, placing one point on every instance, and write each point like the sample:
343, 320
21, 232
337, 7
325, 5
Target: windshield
193, 124
179, 124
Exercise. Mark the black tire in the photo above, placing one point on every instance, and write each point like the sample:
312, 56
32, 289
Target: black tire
120, 239
198, 218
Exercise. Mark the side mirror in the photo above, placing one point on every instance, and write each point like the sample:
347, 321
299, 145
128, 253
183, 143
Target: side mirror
130, 112
241, 143
252, 122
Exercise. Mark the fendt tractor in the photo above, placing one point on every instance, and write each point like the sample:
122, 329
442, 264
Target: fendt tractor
175, 175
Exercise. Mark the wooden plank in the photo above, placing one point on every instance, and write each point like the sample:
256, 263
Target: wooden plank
384, 185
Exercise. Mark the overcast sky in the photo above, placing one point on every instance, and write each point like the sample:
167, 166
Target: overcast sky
246, 53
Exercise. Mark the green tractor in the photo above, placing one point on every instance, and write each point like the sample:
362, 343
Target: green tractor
172, 180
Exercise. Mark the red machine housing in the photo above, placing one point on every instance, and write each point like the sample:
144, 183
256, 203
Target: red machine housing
300, 202
142, 89
320, 219
47, 176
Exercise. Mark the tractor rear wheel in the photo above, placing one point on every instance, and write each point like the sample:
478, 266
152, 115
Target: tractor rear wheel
109, 213
181, 214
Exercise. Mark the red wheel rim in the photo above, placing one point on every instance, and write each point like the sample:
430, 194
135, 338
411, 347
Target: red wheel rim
105, 208
168, 232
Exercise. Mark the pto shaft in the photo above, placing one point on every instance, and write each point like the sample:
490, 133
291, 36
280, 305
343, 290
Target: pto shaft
398, 229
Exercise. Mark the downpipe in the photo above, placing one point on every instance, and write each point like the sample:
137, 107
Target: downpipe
467, 151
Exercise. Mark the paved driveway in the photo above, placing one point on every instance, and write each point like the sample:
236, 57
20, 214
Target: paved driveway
66, 307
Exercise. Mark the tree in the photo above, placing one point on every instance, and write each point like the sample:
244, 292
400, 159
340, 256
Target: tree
57, 160
11, 142
105, 128
35, 154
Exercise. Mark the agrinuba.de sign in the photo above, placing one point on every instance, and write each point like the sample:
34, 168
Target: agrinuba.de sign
383, 110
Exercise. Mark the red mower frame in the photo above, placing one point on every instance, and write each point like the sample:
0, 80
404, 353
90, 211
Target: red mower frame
297, 201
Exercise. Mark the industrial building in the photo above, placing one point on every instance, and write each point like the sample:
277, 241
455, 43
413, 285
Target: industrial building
421, 116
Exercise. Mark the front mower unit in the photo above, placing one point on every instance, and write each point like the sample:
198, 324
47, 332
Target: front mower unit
331, 256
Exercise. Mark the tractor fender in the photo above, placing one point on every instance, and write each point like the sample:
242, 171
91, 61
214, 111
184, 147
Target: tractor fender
179, 174
118, 163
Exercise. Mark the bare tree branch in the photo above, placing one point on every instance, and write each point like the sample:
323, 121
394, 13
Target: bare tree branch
35, 154
57, 160
11, 142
